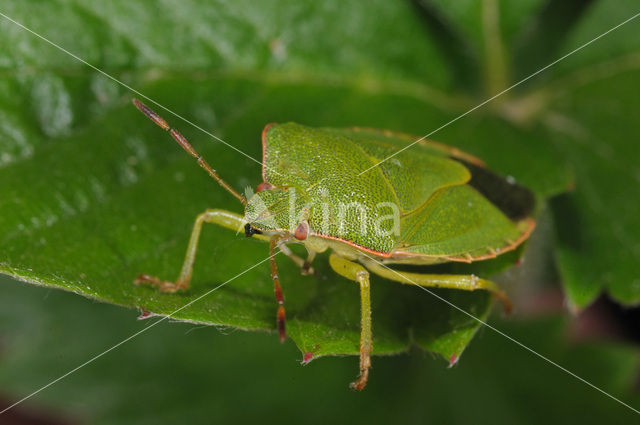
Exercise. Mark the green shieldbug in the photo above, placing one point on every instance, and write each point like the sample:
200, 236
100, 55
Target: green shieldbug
430, 204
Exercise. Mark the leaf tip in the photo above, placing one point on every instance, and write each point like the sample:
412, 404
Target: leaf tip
306, 358
453, 359
144, 314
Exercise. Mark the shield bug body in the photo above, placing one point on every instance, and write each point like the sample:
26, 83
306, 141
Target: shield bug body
426, 205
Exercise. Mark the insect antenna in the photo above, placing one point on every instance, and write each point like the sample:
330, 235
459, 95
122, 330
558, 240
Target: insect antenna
182, 141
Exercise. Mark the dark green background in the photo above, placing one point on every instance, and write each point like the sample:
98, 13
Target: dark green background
181, 373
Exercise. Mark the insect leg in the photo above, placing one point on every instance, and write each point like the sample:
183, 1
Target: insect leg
277, 289
220, 217
464, 282
356, 272
305, 265
182, 141
286, 251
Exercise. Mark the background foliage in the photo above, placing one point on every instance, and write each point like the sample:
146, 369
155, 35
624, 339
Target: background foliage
91, 194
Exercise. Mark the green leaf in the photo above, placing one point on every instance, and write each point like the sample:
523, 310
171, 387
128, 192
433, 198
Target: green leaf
93, 194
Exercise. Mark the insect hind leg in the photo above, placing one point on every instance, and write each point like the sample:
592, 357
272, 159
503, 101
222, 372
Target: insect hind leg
464, 282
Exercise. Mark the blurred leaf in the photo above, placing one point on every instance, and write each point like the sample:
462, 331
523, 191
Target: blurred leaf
591, 114
582, 108
92, 194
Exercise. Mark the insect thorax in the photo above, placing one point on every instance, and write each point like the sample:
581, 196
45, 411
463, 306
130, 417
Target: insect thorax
372, 226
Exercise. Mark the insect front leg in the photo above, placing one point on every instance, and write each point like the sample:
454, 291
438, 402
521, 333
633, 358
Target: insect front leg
220, 217
451, 281
356, 272
277, 288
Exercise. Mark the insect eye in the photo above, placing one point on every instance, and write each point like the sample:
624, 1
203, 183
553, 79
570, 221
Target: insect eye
264, 186
302, 231
250, 231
